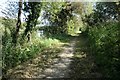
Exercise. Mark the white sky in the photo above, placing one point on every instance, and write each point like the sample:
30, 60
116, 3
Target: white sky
3, 2
2, 5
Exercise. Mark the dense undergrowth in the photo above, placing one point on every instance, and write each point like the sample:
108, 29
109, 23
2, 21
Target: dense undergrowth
23, 51
105, 45
26, 50
19, 54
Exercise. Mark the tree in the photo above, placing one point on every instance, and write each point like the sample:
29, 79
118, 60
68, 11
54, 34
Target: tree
103, 12
18, 25
33, 9
59, 16
55, 15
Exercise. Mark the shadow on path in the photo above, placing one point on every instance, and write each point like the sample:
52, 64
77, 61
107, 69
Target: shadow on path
82, 65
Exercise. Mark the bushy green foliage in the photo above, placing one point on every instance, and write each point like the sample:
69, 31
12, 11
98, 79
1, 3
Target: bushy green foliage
16, 55
23, 51
50, 42
70, 27
105, 44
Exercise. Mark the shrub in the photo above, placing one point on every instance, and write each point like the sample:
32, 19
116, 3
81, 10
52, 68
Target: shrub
104, 43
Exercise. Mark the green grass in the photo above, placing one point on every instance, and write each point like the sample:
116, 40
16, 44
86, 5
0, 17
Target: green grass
61, 37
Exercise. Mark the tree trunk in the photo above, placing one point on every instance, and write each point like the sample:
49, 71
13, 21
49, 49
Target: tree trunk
18, 24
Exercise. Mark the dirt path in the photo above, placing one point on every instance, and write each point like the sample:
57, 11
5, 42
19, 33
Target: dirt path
73, 62
60, 65
47, 65
83, 64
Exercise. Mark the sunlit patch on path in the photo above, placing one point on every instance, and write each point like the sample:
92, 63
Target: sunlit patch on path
60, 66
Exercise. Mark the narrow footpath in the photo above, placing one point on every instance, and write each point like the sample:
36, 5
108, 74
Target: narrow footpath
74, 61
